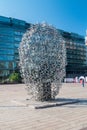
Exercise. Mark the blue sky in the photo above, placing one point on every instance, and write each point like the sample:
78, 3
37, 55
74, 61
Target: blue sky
68, 15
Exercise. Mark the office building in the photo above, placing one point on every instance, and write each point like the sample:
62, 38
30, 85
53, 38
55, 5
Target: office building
11, 32
76, 54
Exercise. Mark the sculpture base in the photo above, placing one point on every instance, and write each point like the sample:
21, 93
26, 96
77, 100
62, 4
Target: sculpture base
43, 92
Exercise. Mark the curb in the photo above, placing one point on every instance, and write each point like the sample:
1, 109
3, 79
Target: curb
55, 105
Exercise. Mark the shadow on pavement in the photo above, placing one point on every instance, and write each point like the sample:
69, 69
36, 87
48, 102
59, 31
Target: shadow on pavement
76, 102
69, 102
64, 102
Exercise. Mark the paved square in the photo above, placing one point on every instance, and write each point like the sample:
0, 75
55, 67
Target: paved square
19, 116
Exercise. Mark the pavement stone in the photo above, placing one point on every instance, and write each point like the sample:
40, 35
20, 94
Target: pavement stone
15, 114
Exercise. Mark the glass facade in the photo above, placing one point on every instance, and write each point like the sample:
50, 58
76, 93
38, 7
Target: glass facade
11, 32
76, 54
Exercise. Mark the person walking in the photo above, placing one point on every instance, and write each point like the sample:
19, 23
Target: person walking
82, 82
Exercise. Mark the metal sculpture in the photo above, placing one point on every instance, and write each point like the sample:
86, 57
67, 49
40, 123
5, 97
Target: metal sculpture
42, 61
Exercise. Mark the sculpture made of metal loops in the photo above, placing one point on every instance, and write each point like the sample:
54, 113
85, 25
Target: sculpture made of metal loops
42, 61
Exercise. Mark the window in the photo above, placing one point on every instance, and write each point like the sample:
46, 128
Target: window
17, 39
6, 51
6, 45
6, 58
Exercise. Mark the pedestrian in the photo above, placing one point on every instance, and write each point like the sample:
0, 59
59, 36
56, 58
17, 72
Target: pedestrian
82, 82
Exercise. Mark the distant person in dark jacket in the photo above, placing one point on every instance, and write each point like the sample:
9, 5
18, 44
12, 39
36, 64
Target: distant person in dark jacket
82, 82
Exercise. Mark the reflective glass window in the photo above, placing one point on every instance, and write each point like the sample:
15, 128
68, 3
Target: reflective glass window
2, 65
17, 39
16, 45
11, 65
6, 58
6, 51
6, 45
4, 72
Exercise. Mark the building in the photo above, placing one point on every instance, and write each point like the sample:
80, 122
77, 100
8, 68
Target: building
11, 32
76, 54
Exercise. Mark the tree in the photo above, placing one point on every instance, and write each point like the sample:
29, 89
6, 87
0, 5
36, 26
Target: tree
15, 78
42, 60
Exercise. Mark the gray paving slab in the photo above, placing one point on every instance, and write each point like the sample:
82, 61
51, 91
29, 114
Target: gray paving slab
15, 113
84, 128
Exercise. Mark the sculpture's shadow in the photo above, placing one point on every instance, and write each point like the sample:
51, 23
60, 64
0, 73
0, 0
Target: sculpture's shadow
68, 102
58, 102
